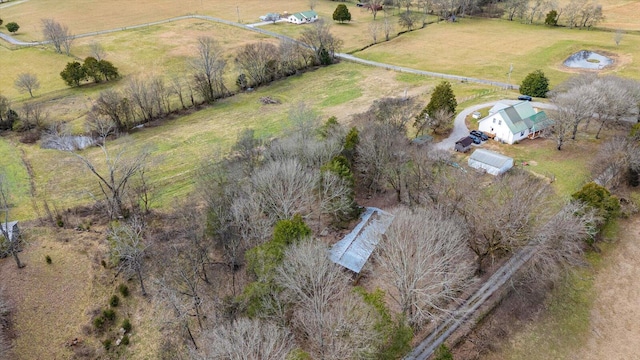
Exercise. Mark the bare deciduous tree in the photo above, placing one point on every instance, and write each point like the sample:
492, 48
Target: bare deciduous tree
318, 36
617, 37
57, 34
120, 168
208, 69
572, 108
258, 61
285, 188
247, 339
325, 316
144, 97
536, 9
504, 215
33, 115
387, 27
27, 82
425, 258
559, 243
615, 159
128, 249
611, 104
97, 51
374, 29
515, 7
116, 107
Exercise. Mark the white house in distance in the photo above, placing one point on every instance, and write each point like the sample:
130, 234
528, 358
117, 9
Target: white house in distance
303, 17
514, 123
491, 162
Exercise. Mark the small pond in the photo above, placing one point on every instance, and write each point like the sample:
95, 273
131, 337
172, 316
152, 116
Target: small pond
588, 60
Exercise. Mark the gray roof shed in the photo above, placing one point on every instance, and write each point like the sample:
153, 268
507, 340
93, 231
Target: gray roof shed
356, 247
491, 162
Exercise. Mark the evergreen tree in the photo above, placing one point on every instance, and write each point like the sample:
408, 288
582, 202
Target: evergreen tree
442, 99
12, 27
535, 84
552, 18
342, 14
73, 73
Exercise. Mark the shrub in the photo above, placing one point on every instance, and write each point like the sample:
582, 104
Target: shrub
114, 301
126, 325
125, 340
109, 314
123, 289
443, 353
48, 259
107, 344
98, 322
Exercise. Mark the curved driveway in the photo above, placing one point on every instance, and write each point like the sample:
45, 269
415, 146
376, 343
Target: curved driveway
460, 129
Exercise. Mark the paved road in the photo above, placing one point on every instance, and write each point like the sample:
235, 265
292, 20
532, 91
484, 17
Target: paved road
460, 128
12, 3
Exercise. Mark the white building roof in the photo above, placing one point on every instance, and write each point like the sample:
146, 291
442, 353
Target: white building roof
355, 248
490, 158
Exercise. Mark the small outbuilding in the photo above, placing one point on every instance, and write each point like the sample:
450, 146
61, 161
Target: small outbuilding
12, 231
353, 251
464, 144
491, 162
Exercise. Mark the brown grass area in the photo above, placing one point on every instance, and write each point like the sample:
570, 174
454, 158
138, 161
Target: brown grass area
52, 301
55, 303
614, 327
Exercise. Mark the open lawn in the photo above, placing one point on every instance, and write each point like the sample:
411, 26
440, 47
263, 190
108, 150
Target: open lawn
486, 48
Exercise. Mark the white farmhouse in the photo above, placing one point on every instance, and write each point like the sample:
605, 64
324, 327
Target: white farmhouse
303, 17
514, 123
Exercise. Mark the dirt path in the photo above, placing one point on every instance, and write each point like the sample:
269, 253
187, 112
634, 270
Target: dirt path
615, 316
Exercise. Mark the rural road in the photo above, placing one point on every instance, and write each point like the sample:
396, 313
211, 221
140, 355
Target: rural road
460, 129
255, 27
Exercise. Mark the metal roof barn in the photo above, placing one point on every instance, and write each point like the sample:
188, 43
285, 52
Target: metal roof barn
491, 162
356, 247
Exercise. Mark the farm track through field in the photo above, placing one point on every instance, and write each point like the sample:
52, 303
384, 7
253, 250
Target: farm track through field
254, 27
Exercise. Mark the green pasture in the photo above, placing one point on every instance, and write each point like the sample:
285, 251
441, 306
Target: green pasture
17, 180
178, 147
486, 48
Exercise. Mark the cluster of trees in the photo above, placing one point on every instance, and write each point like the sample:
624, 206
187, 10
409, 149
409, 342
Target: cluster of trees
575, 13
585, 99
91, 69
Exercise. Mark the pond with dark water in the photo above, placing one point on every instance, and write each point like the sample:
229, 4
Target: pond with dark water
588, 60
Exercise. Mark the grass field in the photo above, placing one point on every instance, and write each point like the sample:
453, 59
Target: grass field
180, 145
486, 49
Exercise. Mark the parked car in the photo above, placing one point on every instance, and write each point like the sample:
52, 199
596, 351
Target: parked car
480, 134
525, 97
476, 140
